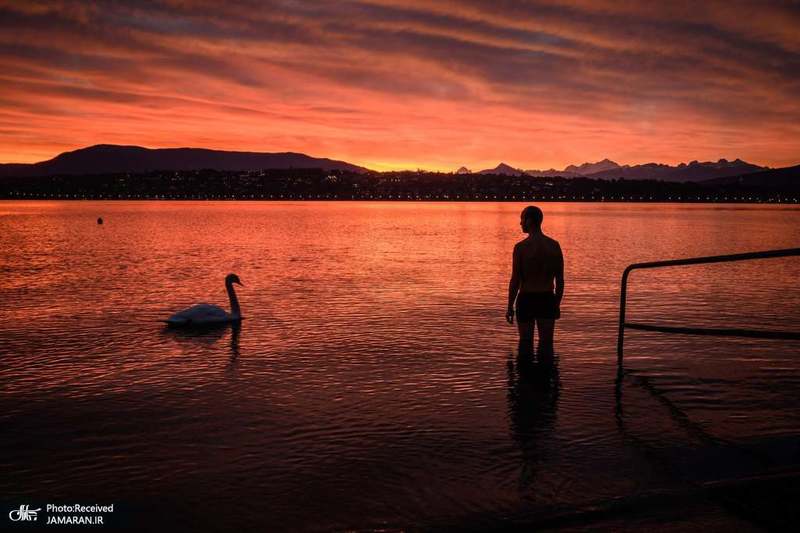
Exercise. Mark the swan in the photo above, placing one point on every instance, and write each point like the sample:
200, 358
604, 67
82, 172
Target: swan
207, 314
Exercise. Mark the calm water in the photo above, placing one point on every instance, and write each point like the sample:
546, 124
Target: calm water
372, 383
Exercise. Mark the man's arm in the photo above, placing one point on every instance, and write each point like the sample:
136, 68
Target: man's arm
513, 285
559, 276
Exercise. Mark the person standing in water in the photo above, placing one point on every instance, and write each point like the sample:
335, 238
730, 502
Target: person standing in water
537, 285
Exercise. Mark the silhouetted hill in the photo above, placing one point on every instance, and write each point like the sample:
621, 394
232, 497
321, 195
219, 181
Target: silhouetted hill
503, 170
784, 179
109, 158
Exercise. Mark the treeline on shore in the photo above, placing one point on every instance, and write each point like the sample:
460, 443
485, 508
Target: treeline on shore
316, 184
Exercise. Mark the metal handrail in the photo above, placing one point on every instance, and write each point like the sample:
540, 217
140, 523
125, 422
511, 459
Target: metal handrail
758, 334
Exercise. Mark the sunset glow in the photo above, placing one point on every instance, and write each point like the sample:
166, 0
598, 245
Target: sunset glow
392, 84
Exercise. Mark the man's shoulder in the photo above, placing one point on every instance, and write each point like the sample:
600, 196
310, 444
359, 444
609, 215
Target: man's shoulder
551, 241
553, 246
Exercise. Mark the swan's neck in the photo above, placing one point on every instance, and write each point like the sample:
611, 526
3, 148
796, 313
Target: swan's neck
235, 311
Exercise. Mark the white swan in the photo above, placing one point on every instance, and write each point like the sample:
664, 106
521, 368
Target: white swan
207, 314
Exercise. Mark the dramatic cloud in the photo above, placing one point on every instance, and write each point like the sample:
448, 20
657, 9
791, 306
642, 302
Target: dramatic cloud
411, 83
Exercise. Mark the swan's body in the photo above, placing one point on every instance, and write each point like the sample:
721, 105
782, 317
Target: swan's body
207, 314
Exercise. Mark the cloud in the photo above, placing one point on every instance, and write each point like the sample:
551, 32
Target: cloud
406, 83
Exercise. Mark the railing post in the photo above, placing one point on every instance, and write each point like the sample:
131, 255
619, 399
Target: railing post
623, 294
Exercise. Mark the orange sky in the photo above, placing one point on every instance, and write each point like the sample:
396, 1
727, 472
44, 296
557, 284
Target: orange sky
406, 83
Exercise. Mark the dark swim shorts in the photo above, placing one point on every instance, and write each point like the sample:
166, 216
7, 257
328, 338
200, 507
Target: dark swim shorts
531, 305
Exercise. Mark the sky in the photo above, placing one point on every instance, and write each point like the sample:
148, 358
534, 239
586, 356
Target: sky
391, 84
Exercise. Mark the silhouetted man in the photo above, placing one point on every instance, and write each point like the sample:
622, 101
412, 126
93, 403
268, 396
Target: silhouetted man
537, 266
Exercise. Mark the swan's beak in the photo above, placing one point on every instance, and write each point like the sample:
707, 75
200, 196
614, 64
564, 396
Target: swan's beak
239, 283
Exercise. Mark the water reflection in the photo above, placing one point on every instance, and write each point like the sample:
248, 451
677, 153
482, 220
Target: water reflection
208, 335
533, 391
236, 330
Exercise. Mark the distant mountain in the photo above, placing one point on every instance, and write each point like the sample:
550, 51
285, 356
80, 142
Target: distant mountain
587, 169
463, 170
109, 158
694, 171
575, 171
551, 173
503, 170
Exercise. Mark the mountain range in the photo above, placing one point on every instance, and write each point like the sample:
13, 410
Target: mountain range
110, 158
694, 171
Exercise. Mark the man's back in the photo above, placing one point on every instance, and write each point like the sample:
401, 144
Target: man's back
539, 260
536, 285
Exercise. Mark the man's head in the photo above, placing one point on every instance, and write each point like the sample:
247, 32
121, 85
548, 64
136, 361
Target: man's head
531, 219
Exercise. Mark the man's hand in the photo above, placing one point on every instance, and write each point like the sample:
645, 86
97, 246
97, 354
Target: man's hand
510, 315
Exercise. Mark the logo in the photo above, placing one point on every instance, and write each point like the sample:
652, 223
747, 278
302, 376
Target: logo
24, 513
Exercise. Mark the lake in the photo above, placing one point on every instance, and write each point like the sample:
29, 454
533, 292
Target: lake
373, 382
